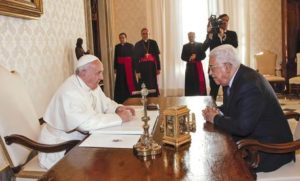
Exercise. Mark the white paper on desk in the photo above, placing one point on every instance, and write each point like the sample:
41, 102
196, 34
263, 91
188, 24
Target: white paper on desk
110, 141
134, 126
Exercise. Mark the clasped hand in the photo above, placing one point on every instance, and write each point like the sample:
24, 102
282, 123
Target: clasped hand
126, 113
209, 113
193, 57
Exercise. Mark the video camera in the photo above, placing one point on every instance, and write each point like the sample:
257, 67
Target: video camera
215, 24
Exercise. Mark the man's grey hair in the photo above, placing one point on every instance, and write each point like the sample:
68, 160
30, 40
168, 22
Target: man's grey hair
225, 54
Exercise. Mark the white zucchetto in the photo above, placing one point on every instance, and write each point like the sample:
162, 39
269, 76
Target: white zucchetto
85, 59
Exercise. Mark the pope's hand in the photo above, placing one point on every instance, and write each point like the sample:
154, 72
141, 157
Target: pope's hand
126, 113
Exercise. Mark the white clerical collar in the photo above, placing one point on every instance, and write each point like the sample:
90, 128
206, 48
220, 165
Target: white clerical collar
232, 78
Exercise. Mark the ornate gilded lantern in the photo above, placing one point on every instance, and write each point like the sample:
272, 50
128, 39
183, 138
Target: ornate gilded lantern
177, 125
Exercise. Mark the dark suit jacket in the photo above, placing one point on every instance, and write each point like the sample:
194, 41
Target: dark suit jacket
252, 111
231, 39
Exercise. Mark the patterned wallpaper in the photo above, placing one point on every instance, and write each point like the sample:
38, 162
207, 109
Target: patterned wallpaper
265, 27
129, 17
42, 50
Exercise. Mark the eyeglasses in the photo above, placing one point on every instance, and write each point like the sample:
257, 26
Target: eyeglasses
214, 67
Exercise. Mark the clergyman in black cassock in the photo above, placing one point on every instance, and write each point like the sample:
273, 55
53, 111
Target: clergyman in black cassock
125, 82
147, 62
193, 54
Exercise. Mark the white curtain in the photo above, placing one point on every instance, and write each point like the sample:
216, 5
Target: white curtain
170, 21
166, 28
238, 12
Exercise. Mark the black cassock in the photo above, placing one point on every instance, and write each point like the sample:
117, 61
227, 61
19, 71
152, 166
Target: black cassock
147, 63
194, 75
125, 76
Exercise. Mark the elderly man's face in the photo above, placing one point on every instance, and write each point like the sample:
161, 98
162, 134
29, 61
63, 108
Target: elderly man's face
122, 39
145, 34
220, 72
93, 74
191, 37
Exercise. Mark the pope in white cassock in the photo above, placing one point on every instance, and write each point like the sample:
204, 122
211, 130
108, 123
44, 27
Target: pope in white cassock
79, 106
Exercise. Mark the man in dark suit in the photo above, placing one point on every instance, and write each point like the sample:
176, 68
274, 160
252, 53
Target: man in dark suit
250, 108
193, 55
214, 39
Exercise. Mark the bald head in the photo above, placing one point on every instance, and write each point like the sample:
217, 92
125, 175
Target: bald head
191, 36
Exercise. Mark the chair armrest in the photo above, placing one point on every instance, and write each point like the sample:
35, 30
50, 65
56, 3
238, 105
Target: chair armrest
251, 147
22, 140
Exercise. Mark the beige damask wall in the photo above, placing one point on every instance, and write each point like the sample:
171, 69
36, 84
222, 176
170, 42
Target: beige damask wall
42, 50
264, 23
265, 27
130, 17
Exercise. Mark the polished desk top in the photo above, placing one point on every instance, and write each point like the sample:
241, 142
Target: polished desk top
211, 156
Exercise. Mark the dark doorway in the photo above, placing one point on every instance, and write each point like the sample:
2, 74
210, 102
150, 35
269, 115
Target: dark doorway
291, 21
95, 28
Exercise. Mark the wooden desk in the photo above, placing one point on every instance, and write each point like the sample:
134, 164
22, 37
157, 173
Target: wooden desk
211, 156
